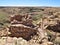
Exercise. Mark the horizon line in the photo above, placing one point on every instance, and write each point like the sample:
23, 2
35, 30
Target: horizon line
27, 6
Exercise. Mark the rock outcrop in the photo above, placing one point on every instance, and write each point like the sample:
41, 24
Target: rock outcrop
22, 26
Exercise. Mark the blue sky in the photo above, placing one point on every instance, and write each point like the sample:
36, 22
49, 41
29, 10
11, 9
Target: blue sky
30, 3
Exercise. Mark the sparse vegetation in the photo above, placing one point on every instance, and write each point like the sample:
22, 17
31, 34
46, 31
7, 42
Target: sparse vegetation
36, 12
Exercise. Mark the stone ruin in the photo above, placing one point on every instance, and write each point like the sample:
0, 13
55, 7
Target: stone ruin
22, 26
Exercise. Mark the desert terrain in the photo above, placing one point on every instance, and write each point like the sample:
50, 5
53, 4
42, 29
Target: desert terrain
29, 25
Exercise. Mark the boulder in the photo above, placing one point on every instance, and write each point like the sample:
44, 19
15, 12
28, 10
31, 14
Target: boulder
55, 28
19, 30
